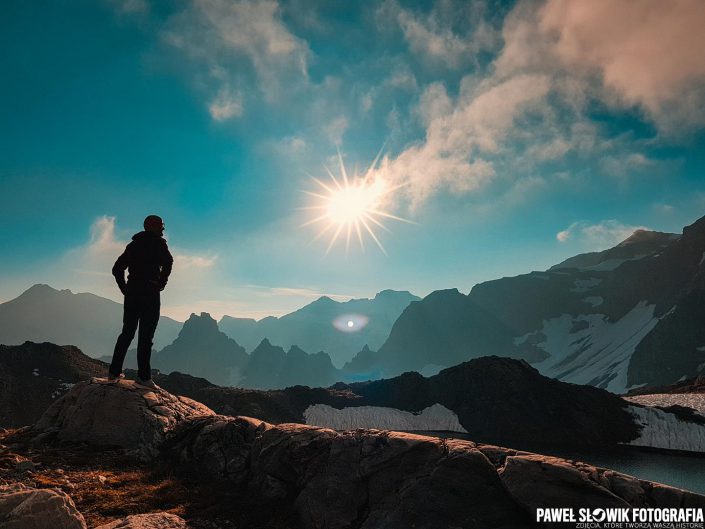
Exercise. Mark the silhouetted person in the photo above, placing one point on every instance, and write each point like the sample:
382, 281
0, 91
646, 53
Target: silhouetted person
149, 262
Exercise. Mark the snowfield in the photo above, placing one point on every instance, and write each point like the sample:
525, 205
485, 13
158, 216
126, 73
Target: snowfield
583, 285
589, 349
664, 430
690, 400
433, 418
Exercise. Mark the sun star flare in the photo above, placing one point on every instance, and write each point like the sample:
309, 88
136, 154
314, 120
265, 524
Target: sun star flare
351, 206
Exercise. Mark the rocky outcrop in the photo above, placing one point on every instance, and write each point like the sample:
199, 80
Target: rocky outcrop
161, 520
372, 478
360, 478
43, 372
121, 414
27, 508
540, 481
351, 479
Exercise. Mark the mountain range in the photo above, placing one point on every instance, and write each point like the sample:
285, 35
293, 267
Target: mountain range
619, 319
341, 329
491, 399
90, 322
628, 316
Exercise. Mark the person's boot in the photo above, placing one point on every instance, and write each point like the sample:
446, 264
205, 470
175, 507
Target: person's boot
149, 383
115, 378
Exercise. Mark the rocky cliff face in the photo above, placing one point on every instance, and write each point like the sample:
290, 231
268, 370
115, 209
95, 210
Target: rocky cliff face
351, 479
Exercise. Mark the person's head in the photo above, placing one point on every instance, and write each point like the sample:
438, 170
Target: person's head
155, 224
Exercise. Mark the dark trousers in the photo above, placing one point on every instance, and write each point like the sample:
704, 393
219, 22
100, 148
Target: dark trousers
141, 307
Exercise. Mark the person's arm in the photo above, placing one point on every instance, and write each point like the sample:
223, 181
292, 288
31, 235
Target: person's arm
119, 269
166, 264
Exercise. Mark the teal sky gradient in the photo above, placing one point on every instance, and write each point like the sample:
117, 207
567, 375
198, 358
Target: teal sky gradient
212, 114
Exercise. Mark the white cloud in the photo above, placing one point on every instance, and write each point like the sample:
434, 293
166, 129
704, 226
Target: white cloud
648, 52
461, 136
227, 41
335, 129
226, 105
430, 35
625, 164
87, 268
530, 106
598, 236
626, 53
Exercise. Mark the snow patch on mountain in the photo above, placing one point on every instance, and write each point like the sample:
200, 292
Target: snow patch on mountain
695, 401
661, 429
583, 285
434, 418
589, 349
595, 301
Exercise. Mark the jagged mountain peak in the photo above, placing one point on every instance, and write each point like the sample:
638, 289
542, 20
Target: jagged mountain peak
200, 323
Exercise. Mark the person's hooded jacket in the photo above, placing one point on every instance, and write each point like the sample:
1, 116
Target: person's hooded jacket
147, 260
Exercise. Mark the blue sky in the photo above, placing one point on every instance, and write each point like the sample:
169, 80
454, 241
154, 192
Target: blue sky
518, 134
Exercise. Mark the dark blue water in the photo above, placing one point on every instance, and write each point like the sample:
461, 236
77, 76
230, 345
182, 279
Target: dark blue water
684, 471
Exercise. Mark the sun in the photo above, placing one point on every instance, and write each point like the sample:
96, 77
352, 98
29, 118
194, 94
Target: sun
351, 206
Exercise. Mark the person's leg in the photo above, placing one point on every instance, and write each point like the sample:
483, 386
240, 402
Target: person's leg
129, 326
149, 318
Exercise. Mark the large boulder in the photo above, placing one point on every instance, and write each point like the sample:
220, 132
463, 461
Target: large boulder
159, 520
28, 508
380, 479
358, 478
541, 481
116, 414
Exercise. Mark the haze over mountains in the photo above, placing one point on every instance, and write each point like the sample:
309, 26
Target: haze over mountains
90, 322
629, 316
201, 348
340, 329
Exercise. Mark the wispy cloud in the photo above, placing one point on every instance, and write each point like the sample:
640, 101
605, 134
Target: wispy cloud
529, 107
86, 268
226, 105
229, 42
597, 236
431, 35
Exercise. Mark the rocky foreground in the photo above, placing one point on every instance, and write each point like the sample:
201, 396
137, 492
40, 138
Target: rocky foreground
294, 475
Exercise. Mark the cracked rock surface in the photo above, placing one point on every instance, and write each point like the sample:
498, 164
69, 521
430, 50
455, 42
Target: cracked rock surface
27, 508
380, 479
161, 520
357, 478
118, 414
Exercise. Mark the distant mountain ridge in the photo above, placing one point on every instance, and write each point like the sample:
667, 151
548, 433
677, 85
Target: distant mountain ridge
203, 350
341, 329
90, 322
628, 316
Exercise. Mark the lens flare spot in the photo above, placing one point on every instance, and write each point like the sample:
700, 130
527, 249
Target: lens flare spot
350, 322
